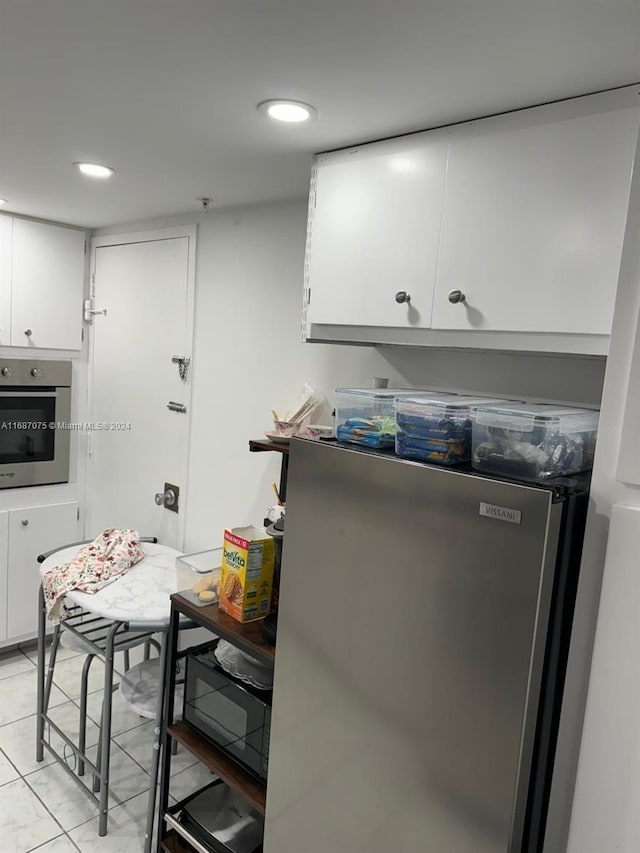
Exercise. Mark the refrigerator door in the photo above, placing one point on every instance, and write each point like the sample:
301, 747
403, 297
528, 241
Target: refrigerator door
411, 633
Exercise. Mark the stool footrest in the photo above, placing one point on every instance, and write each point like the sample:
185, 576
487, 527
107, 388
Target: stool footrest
93, 631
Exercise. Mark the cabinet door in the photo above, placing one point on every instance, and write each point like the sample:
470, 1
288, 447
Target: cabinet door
47, 285
6, 233
4, 607
374, 232
32, 532
533, 223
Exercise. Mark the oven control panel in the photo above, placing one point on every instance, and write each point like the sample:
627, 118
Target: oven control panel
23, 372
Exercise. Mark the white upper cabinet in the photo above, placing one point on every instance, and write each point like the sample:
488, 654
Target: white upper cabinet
6, 232
533, 224
47, 280
374, 218
505, 232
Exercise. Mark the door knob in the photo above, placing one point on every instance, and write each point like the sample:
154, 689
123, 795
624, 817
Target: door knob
169, 498
456, 296
25, 522
402, 296
28, 332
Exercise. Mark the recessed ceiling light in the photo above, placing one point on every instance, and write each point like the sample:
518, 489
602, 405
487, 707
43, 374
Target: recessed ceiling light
284, 110
95, 170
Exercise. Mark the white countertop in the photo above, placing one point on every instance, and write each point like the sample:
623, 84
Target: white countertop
140, 595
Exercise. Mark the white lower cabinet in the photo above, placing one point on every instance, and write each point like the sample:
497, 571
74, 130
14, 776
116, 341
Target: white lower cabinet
4, 542
24, 534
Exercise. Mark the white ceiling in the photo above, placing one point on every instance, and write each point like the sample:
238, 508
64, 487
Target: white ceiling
165, 90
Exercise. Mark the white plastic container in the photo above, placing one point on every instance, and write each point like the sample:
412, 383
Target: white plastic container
366, 416
436, 427
190, 568
533, 442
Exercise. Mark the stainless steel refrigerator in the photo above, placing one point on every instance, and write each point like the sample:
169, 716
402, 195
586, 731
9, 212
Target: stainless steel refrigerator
423, 627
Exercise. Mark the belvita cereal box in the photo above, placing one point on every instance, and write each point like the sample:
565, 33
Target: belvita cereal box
248, 559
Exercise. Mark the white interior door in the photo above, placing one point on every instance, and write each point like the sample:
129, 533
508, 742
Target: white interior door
146, 289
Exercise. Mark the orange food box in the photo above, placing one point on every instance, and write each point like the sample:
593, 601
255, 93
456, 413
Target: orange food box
248, 561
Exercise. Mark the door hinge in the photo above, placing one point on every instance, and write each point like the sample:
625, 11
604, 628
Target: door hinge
78, 514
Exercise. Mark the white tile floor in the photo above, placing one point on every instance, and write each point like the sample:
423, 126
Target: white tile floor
41, 808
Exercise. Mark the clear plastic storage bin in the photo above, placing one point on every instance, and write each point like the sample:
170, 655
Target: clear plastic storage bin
366, 416
190, 568
436, 427
533, 441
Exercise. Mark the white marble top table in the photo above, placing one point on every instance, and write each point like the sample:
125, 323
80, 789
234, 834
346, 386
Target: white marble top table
140, 595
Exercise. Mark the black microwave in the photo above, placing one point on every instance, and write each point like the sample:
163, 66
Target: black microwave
231, 714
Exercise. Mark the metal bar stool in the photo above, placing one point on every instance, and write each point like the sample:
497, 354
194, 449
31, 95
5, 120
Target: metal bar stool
90, 634
105, 624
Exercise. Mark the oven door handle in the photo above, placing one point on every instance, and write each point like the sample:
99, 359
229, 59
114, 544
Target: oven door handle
6, 392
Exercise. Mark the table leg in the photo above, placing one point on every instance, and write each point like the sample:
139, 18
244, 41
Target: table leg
44, 685
53, 652
167, 715
40, 686
105, 730
82, 723
155, 758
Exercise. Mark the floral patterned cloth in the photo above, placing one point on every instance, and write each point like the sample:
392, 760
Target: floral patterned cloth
98, 563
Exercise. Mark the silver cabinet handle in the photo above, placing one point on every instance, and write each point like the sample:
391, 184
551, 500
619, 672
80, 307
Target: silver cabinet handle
28, 332
402, 296
25, 522
456, 296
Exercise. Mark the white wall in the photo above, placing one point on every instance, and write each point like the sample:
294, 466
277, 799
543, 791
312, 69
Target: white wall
606, 806
248, 359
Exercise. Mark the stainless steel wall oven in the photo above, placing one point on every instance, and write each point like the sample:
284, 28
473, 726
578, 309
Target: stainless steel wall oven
35, 411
